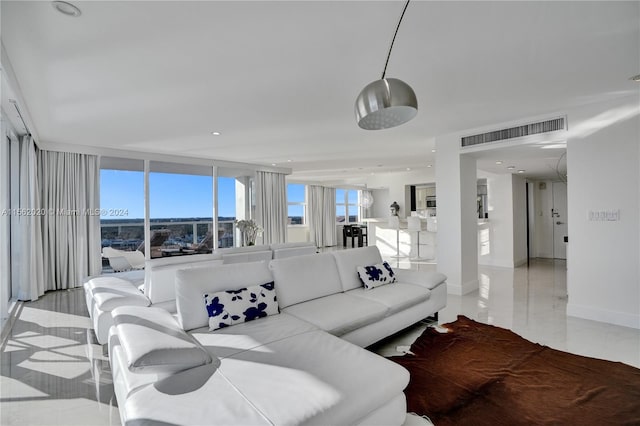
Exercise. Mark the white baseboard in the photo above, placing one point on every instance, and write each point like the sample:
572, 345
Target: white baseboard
465, 288
602, 315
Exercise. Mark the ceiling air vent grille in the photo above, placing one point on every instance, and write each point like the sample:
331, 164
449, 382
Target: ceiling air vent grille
515, 132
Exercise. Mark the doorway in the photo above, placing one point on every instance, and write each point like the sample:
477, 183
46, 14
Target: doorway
559, 220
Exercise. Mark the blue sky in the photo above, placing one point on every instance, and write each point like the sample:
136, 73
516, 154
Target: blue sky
170, 195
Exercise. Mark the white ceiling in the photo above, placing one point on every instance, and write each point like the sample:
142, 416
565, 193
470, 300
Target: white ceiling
279, 79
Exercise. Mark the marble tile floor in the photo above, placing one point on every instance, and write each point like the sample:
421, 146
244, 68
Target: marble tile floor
531, 301
53, 373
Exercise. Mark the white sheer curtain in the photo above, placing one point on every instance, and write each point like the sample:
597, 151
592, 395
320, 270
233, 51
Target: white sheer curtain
322, 215
271, 206
69, 185
26, 229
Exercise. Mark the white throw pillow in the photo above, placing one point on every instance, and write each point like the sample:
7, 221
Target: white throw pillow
376, 275
232, 307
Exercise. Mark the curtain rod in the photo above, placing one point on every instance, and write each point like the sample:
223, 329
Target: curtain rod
15, 104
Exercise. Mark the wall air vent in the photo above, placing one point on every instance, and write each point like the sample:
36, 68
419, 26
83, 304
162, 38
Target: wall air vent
515, 132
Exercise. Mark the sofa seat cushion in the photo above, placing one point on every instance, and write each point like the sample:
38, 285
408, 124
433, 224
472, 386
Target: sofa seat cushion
227, 341
397, 297
110, 292
426, 279
339, 313
200, 396
315, 379
312, 379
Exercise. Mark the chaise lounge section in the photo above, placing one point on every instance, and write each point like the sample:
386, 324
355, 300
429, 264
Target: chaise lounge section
298, 366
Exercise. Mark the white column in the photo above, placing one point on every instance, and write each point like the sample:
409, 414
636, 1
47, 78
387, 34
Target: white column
456, 192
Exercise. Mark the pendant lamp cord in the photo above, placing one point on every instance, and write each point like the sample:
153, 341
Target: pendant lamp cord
384, 72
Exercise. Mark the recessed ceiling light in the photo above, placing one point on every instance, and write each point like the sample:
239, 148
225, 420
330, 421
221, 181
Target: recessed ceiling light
511, 168
498, 162
429, 166
433, 150
215, 133
636, 78
273, 164
521, 171
66, 8
372, 173
408, 168
288, 161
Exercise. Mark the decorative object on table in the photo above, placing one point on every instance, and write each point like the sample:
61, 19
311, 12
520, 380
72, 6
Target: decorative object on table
395, 208
249, 231
387, 102
485, 375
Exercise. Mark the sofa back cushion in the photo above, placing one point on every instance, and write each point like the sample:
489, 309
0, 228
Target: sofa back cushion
303, 278
348, 260
192, 284
251, 256
160, 274
282, 250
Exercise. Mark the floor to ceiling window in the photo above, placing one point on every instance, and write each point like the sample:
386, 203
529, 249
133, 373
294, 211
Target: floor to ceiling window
180, 209
121, 204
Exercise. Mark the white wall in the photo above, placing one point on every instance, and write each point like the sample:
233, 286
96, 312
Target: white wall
502, 241
519, 208
381, 202
496, 248
603, 161
297, 234
456, 189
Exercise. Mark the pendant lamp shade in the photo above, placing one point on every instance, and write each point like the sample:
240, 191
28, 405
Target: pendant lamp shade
385, 103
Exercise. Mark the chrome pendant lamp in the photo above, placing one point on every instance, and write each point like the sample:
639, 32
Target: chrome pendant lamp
387, 102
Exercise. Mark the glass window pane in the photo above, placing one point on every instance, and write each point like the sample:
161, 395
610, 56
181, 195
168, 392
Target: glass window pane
340, 213
296, 214
353, 196
295, 193
340, 196
121, 210
226, 211
180, 207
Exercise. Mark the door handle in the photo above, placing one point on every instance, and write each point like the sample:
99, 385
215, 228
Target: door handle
559, 223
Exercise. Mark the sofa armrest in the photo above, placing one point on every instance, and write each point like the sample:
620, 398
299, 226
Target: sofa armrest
426, 279
110, 292
153, 342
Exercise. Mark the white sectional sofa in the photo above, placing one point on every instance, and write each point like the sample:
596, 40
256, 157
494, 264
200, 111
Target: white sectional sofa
299, 366
156, 284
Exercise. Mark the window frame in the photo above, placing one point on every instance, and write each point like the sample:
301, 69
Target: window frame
349, 206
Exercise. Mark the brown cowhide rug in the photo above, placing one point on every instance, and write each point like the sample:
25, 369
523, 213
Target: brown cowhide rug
478, 374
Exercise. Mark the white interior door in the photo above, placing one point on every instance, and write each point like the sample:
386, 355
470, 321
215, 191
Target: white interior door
559, 217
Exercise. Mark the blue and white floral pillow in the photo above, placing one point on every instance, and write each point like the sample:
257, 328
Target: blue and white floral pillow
232, 307
376, 275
